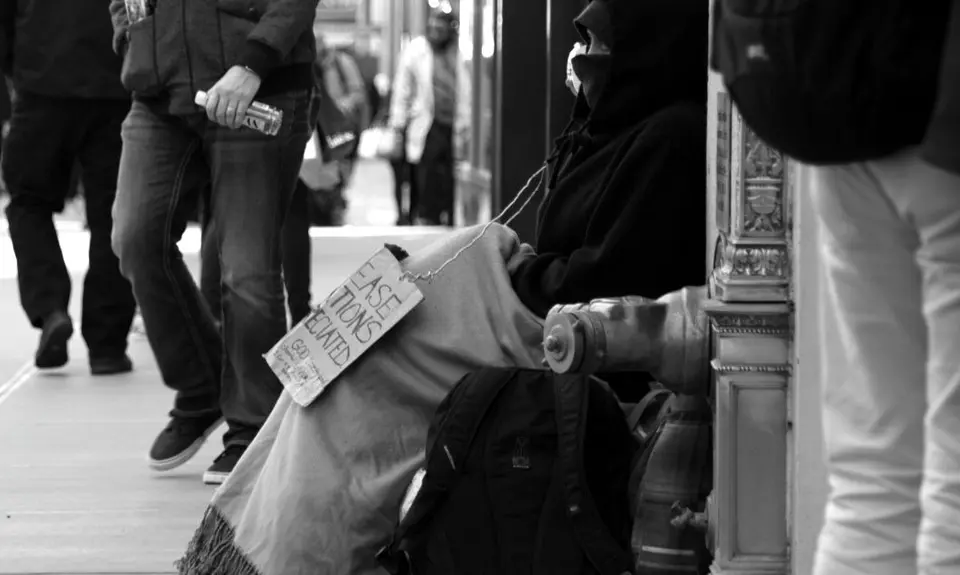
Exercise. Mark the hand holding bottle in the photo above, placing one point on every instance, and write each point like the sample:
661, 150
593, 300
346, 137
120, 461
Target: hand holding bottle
258, 116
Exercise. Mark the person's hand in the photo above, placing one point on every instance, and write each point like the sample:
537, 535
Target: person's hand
229, 98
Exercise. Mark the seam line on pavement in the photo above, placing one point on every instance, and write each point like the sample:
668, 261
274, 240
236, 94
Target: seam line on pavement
17, 380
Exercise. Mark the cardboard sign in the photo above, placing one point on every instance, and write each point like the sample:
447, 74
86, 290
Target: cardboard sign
354, 317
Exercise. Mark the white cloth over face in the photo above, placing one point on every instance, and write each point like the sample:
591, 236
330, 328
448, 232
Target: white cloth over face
573, 81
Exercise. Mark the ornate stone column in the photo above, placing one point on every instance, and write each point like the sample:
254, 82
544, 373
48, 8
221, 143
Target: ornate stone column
751, 315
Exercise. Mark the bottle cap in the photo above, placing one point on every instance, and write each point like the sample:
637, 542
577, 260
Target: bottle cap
201, 98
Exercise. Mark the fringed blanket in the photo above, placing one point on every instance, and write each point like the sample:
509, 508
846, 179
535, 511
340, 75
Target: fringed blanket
319, 490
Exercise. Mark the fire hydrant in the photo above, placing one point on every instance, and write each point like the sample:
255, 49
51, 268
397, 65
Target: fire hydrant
667, 337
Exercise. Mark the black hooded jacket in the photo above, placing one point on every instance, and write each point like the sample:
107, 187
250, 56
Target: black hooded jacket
625, 208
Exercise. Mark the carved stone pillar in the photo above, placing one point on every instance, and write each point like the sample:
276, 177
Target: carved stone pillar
751, 316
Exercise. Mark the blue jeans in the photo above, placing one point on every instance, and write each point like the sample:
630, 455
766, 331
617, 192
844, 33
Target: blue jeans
166, 163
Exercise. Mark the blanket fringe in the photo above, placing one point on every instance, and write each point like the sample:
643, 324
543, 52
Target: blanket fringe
212, 550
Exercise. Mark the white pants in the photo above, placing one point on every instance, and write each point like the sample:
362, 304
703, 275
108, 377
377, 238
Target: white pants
891, 406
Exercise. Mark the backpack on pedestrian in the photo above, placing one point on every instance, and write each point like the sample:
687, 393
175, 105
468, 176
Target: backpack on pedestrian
832, 81
526, 472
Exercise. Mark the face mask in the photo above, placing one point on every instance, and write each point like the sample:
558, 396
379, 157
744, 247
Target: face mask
573, 81
593, 70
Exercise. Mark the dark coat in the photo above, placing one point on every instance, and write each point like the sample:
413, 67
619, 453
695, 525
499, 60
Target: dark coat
625, 212
61, 49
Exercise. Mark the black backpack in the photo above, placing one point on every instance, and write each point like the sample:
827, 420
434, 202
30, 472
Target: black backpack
832, 81
526, 473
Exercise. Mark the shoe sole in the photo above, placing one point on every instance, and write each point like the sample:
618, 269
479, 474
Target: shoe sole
214, 477
112, 370
185, 455
52, 351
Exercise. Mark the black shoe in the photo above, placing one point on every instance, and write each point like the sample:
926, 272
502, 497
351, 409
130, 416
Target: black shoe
52, 349
180, 440
111, 365
223, 465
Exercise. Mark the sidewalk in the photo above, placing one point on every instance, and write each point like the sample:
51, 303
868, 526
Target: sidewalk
76, 496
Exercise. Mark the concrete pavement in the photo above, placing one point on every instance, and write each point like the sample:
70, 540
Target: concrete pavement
76, 495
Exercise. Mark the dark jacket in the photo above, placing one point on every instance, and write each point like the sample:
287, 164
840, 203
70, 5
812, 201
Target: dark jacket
625, 212
60, 48
188, 45
942, 144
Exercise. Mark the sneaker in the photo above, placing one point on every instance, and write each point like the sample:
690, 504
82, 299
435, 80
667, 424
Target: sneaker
52, 349
111, 365
180, 440
223, 465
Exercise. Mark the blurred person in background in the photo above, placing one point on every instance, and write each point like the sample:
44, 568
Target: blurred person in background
338, 78
68, 110
399, 167
295, 254
172, 150
430, 116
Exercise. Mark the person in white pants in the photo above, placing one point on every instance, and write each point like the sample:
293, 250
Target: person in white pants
890, 246
891, 256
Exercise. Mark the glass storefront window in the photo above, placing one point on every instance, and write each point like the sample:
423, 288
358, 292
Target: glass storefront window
486, 89
477, 45
467, 39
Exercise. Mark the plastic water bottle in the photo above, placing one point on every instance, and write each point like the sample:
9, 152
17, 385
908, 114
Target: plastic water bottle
260, 117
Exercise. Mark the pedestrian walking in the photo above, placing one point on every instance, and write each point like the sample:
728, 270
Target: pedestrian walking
430, 117
238, 53
68, 109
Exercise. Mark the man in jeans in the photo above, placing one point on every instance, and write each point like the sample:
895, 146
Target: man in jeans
68, 110
238, 52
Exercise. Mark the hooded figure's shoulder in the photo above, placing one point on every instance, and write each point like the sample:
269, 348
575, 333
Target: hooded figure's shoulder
682, 126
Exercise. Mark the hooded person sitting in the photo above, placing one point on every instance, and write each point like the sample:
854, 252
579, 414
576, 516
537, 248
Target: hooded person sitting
320, 488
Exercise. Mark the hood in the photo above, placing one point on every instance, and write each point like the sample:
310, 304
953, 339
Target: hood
658, 57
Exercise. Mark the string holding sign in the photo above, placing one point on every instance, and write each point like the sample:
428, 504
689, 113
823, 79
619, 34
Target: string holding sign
429, 276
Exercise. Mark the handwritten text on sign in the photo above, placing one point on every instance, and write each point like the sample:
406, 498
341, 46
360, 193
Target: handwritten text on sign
343, 327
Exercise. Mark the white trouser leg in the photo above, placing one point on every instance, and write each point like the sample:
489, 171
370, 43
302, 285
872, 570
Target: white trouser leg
934, 203
891, 257
873, 399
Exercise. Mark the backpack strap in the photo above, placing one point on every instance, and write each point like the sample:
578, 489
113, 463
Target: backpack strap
633, 420
596, 541
470, 400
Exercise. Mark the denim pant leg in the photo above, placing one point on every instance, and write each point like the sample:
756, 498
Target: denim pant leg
297, 254
160, 167
253, 179
210, 262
